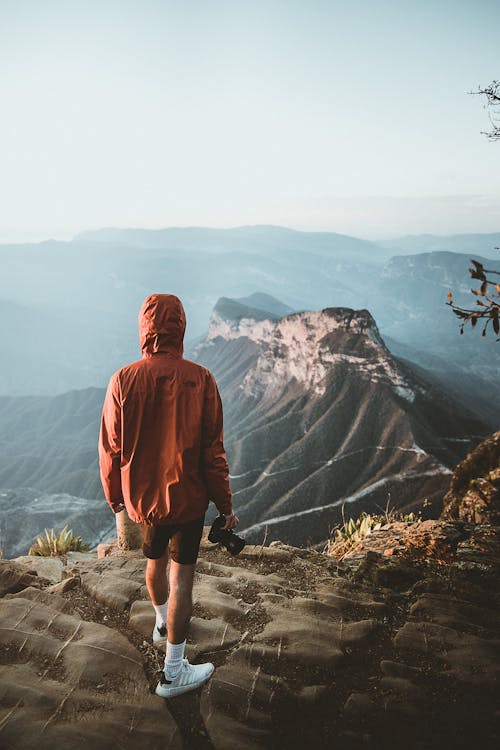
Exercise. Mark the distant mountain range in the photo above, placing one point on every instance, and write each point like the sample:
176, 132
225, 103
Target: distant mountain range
69, 309
486, 244
416, 390
317, 412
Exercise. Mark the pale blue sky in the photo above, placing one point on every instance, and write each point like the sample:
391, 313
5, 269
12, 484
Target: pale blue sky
324, 115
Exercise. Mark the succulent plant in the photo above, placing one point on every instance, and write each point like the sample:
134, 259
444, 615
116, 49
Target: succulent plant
51, 544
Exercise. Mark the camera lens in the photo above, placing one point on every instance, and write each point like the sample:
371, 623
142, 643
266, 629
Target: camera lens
235, 544
231, 541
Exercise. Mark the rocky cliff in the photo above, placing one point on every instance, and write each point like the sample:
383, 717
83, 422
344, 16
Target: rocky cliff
319, 413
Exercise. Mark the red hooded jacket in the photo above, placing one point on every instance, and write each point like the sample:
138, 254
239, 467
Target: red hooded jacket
161, 450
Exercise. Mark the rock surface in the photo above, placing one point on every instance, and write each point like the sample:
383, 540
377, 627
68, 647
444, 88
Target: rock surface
474, 493
47, 567
309, 651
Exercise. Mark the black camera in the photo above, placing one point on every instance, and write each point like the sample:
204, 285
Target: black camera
231, 541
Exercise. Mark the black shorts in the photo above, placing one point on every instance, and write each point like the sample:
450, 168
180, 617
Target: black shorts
182, 540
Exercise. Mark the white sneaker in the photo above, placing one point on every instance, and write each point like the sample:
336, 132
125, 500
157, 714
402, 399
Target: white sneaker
159, 634
190, 677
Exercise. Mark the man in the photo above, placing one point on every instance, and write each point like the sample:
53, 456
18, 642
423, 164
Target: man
162, 459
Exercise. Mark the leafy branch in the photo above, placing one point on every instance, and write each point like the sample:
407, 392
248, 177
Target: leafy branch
488, 305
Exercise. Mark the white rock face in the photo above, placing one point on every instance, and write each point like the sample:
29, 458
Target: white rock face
299, 347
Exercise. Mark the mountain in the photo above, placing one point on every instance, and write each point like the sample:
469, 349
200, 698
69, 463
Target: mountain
49, 470
484, 244
266, 302
408, 300
318, 413
50, 443
26, 512
266, 239
69, 309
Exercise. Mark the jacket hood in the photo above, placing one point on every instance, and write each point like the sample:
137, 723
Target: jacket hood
162, 323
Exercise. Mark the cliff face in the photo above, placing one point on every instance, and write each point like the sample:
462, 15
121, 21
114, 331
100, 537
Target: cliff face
474, 493
318, 413
303, 347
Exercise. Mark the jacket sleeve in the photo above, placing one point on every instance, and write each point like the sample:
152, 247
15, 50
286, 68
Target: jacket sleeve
109, 446
214, 465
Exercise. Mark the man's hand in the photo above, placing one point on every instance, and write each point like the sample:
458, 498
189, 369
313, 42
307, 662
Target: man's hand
231, 521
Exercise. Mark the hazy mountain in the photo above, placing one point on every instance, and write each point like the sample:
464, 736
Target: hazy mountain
471, 244
80, 299
266, 239
69, 309
50, 442
267, 303
26, 512
408, 300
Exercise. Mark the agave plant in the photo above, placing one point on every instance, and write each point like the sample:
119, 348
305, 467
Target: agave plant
355, 530
51, 544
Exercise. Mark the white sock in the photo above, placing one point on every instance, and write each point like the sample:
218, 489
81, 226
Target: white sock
173, 659
161, 614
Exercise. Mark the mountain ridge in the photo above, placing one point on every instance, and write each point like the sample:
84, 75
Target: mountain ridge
319, 412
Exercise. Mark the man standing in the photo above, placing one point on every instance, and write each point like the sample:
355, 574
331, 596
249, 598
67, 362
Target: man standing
162, 459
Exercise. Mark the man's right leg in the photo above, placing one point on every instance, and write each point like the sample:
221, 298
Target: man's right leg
184, 547
180, 604
178, 675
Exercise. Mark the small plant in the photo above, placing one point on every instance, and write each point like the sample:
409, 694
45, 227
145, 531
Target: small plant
358, 529
352, 531
50, 544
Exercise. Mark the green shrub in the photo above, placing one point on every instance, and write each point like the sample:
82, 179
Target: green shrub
50, 544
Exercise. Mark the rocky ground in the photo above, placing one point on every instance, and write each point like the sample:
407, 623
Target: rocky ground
396, 646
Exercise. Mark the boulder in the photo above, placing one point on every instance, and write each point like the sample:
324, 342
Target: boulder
112, 591
50, 568
14, 577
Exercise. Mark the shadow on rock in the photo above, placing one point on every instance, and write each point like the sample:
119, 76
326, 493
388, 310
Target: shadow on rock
186, 712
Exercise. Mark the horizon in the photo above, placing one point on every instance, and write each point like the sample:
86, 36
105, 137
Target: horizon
40, 239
